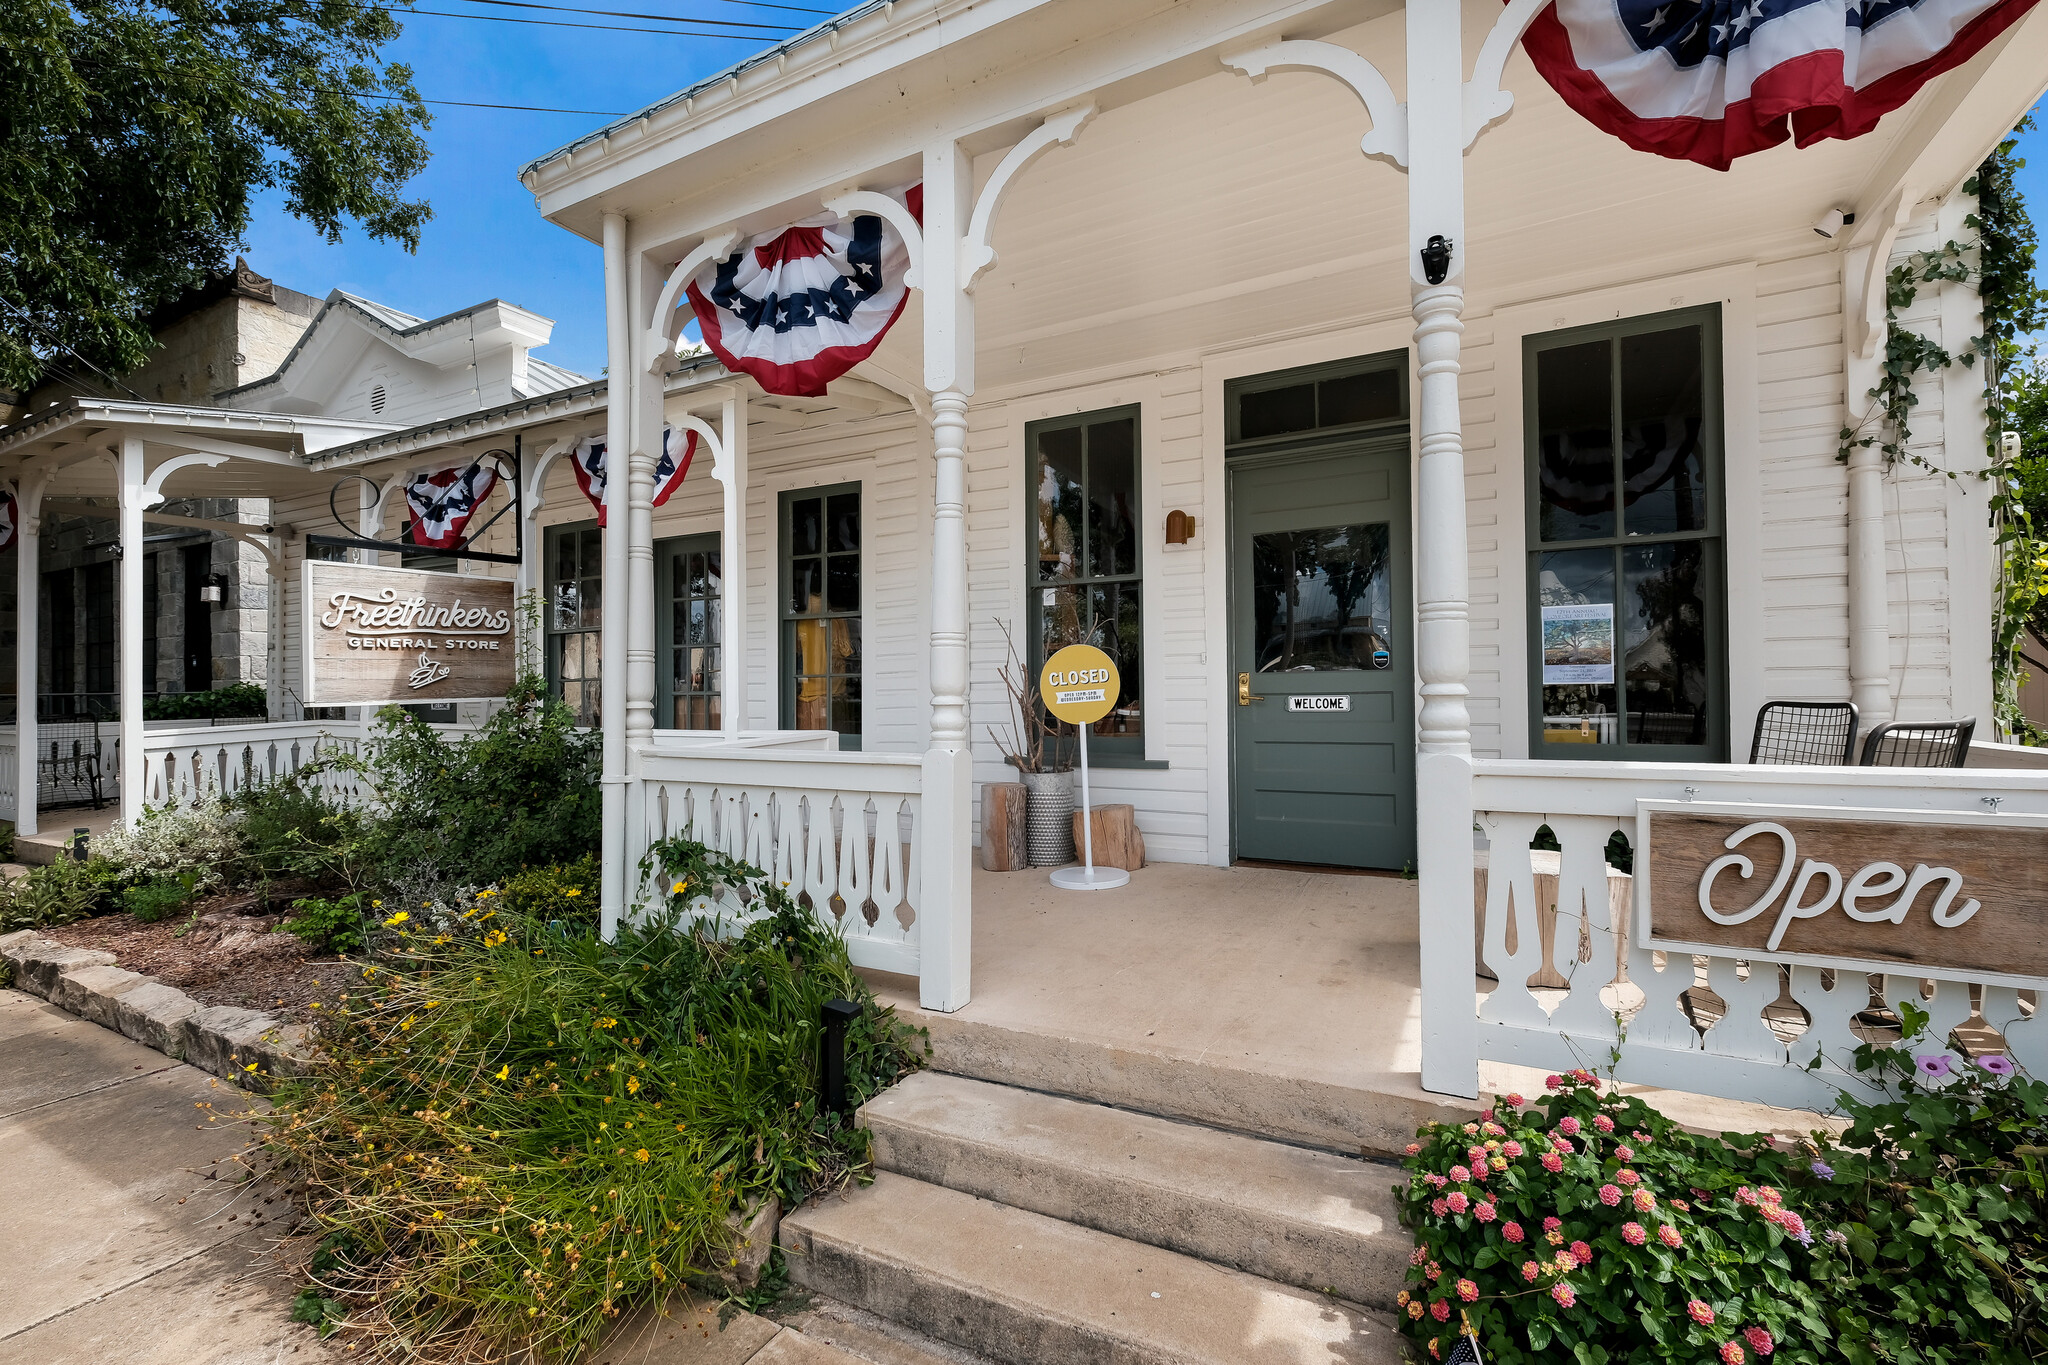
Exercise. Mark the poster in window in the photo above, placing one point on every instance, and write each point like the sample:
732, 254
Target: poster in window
1578, 643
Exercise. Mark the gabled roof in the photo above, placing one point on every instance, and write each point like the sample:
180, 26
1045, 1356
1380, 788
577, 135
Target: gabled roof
423, 338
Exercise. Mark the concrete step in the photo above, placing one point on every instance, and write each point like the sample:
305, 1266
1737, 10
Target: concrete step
1208, 1090
1025, 1289
869, 1339
1306, 1218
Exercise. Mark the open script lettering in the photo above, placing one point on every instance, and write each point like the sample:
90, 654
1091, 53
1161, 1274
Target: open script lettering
1879, 892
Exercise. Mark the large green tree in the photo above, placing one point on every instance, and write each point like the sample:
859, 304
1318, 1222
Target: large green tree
134, 133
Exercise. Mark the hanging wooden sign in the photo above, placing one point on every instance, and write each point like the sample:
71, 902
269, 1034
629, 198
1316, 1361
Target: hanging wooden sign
375, 635
1937, 893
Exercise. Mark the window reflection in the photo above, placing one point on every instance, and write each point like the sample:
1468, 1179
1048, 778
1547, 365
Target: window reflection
1084, 482
1321, 599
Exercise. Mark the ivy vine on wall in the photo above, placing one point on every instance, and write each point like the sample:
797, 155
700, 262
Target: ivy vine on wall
2000, 261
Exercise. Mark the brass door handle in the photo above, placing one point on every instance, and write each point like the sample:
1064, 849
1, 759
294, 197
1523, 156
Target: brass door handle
1245, 696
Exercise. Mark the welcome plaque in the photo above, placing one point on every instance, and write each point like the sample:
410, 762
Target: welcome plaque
1937, 893
376, 635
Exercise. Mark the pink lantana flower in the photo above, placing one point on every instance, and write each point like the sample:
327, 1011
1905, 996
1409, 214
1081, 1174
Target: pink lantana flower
1484, 1212
1700, 1311
1552, 1162
1530, 1270
1553, 1082
1731, 1354
1413, 1149
1582, 1253
1438, 1208
1441, 1310
1511, 1149
1568, 1125
1459, 1173
1627, 1177
1634, 1234
1603, 1123
1759, 1340
1552, 1224
1670, 1237
1610, 1195
1624, 1153
1512, 1231
1468, 1291
1645, 1202
1565, 1295
1457, 1201
1515, 1101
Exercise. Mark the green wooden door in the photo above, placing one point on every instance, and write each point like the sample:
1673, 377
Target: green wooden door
1322, 657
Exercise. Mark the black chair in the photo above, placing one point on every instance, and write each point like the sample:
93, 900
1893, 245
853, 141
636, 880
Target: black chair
1805, 732
1919, 744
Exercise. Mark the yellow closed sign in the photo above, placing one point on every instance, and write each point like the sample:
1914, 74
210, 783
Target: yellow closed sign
1079, 684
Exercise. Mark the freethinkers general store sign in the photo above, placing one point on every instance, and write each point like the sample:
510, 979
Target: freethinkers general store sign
376, 635
1929, 892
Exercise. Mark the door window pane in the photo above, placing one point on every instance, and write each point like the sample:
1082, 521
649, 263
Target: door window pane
1575, 600
1276, 412
1575, 440
1374, 396
1322, 600
575, 610
1084, 487
693, 581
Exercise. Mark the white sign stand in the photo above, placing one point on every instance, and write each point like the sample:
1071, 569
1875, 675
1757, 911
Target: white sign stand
1088, 877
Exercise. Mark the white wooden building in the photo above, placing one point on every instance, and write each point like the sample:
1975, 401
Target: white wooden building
1154, 275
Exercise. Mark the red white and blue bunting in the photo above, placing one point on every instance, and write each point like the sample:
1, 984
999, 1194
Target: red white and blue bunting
1712, 81
588, 462
8, 519
442, 503
799, 307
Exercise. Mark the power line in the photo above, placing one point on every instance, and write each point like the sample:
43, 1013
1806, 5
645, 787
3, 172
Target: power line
515, 108
558, 23
793, 9
623, 14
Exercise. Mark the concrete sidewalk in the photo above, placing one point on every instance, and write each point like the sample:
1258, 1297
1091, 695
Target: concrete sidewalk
134, 1234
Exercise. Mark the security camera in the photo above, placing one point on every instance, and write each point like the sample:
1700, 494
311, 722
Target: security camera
1833, 221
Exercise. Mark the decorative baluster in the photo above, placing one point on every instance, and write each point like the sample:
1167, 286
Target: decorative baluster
821, 865
888, 892
1511, 891
913, 880
1742, 1032
856, 861
2026, 1036
1829, 1035
1949, 1009
1583, 917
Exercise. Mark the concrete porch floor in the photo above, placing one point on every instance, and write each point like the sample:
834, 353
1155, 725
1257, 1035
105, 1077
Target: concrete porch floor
1271, 1000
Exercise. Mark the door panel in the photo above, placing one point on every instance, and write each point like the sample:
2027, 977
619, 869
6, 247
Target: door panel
1322, 663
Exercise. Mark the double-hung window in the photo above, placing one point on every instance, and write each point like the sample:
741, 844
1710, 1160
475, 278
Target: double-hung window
821, 599
1627, 640
1086, 574
574, 611
689, 582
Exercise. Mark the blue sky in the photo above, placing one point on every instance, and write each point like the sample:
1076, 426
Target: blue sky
486, 239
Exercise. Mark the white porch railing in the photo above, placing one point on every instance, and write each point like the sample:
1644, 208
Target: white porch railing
183, 766
10, 774
843, 831
1574, 986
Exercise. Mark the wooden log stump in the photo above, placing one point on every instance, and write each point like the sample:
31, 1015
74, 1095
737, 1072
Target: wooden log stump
1117, 840
1003, 846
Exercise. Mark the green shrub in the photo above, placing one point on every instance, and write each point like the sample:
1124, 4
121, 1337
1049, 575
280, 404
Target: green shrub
330, 926
59, 893
521, 791
160, 898
1594, 1229
235, 701
291, 828
566, 895
167, 843
520, 1128
1942, 1253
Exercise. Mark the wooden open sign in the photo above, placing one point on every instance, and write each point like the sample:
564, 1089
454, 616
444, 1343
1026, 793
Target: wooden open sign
1938, 893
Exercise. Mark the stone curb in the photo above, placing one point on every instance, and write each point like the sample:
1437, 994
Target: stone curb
247, 1047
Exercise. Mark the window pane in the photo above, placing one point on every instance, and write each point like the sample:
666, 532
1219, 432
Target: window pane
591, 599
1371, 397
1118, 627
565, 556
565, 614
1664, 643
806, 585
1059, 620
700, 622
1575, 597
846, 706
846, 645
1322, 599
1059, 504
592, 546
804, 530
842, 584
1665, 469
712, 575
1275, 412
1575, 442
843, 512
1112, 498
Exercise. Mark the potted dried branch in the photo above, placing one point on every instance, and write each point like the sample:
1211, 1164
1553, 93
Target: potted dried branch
1032, 746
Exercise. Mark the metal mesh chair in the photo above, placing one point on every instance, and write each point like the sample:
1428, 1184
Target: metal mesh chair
1919, 744
1804, 732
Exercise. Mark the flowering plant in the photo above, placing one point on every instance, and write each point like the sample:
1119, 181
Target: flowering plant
1940, 1189
1590, 1226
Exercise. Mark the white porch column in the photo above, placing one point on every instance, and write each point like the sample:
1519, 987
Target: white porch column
1870, 663
612, 651
1443, 766
129, 599
730, 469
945, 920
28, 583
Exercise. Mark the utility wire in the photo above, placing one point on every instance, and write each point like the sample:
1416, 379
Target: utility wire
515, 108
626, 14
558, 23
29, 320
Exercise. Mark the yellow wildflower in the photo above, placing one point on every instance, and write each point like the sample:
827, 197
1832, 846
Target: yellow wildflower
399, 918
405, 1022
677, 889
632, 1085
504, 1073
642, 1156
572, 891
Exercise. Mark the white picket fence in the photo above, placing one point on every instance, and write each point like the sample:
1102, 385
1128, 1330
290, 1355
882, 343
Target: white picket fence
1573, 990
843, 831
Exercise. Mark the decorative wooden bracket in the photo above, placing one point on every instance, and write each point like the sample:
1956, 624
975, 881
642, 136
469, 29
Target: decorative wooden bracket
976, 255
896, 213
1486, 101
153, 486
1387, 139
665, 328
